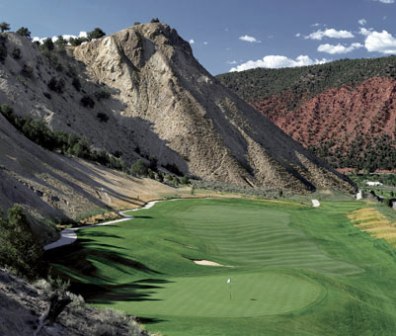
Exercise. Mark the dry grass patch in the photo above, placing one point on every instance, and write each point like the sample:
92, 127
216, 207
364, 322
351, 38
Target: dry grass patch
376, 224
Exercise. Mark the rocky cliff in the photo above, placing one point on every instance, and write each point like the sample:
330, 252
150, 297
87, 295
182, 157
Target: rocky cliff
203, 128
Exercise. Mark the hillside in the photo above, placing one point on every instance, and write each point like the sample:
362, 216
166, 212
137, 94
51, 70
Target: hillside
142, 94
61, 189
22, 305
344, 110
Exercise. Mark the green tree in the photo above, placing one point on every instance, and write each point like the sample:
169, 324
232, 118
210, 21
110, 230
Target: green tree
95, 34
48, 45
77, 41
139, 168
4, 26
19, 247
60, 42
23, 31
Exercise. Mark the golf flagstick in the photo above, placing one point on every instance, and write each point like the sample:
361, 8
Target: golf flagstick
229, 285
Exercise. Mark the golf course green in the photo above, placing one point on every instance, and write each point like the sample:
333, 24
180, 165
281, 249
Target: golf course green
287, 269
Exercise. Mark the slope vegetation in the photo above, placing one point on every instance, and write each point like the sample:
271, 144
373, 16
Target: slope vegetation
343, 110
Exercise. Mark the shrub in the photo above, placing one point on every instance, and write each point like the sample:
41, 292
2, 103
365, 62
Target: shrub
6, 110
47, 95
16, 53
102, 94
95, 34
27, 71
139, 168
184, 180
77, 41
4, 26
60, 42
76, 84
56, 85
103, 117
23, 31
48, 45
19, 249
87, 101
3, 49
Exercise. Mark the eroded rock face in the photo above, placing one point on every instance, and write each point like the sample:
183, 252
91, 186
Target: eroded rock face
161, 104
213, 134
366, 111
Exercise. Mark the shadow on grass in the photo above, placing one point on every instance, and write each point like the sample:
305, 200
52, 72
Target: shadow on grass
101, 234
142, 290
79, 258
148, 320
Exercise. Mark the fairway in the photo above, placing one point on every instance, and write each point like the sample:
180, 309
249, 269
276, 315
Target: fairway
293, 270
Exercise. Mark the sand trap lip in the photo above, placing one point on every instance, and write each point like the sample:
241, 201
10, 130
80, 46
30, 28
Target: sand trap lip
204, 262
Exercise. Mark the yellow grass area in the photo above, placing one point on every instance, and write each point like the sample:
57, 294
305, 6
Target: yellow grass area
375, 223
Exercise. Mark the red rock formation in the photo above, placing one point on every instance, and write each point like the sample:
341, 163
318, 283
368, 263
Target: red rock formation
338, 114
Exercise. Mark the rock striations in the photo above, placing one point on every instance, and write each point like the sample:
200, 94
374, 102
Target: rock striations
202, 127
139, 93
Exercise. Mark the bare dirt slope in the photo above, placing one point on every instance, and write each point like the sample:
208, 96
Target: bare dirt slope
63, 188
213, 134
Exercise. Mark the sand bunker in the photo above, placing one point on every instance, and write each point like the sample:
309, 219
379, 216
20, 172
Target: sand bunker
206, 263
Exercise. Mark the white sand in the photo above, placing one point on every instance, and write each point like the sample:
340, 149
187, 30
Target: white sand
207, 263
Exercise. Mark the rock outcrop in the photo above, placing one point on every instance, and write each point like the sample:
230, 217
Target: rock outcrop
208, 131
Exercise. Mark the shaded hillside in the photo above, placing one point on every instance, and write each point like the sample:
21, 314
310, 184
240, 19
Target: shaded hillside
22, 305
343, 110
215, 135
62, 188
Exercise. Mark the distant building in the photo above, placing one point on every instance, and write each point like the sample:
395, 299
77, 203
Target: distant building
373, 183
315, 203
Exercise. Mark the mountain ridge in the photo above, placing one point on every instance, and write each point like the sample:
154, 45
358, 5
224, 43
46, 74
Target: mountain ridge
344, 110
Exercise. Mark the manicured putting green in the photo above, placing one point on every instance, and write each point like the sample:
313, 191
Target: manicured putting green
247, 295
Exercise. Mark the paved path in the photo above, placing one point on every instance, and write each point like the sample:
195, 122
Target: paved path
69, 236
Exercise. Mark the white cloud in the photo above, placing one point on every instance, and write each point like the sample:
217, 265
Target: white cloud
278, 61
191, 41
330, 33
381, 42
385, 1
338, 48
362, 22
67, 37
205, 42
233, 62
298, 35
365, 31
248, 38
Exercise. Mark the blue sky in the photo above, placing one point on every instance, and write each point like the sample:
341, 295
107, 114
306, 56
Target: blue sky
227, 34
